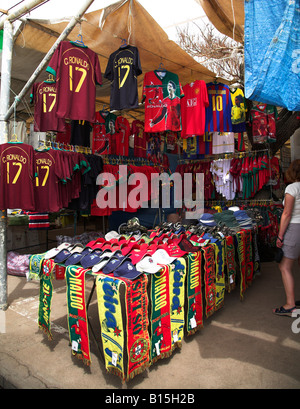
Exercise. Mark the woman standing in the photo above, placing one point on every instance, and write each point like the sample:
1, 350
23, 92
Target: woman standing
289, 237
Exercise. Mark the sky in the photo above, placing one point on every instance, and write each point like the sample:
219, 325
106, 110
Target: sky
167, 13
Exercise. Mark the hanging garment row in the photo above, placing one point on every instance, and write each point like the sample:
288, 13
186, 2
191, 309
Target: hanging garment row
238, 177
46, 180
192, 110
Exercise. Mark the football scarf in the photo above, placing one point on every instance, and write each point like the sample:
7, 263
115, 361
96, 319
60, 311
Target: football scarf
77, 317
46, 292
248, 257
241, 248
138, 340
194, 312
220, 272
111, 323
35, 266
160, 319
177, 272
256, 258
230, 263
209, 279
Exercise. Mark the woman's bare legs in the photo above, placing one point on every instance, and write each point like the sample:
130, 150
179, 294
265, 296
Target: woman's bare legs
285, 267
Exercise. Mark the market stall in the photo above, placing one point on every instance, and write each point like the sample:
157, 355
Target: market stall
156, 281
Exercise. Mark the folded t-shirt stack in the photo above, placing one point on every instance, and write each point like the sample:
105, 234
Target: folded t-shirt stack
243, 219
228, 219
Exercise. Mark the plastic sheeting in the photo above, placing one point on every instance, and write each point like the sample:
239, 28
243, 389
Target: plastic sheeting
272, 52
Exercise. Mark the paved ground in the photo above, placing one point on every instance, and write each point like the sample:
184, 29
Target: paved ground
242, 346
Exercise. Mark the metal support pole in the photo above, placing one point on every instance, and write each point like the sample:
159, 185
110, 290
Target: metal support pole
48, 56
4, 104
20, 11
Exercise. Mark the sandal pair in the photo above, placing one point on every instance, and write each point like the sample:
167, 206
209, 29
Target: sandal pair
284, 312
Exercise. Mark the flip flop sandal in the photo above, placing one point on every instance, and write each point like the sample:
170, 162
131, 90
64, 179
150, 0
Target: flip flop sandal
284, 312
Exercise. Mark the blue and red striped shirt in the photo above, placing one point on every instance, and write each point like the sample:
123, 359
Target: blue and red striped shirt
218, 113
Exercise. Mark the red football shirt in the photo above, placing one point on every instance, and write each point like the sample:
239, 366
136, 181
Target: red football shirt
77, 71
193, 106
162, 92
140, 141
122, 136
17, 176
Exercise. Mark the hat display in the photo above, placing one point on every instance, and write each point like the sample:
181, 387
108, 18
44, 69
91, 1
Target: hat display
161, 256
112, 235
89, 260
66, 253
148, 265
53, 252
127, 270
207, 219
75, 258
104, 258
174, 250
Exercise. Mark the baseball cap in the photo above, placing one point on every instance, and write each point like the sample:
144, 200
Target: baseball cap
92, 258
75, 258
113, 263
103, 260
175, 251
53, 252
186, 245
136, 254
111, 235
66, 253
161, 256
127, 270
98, 241
128, 246
148, 265
207, 219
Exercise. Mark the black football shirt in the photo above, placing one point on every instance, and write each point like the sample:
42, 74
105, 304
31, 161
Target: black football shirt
122, 70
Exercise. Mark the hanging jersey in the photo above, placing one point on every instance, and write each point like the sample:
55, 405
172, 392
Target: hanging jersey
205, 144
65, 136
140, 142
77, 71
218, 113
122, 136
262, 119
193, 106
238, 110
162, 92
122, 70
44, 97
111, 132
80, 133
223, 142
100, 142
171, 142
17, 173
190, 147
49, 174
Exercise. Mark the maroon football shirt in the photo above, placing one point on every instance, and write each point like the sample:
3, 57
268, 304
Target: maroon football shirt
44, 97
49, 174
17, 176
77, 71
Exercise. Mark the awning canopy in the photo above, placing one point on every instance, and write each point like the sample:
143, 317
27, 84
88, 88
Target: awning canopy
102, 31
227, 16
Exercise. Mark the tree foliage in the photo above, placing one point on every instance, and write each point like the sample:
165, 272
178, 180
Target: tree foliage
213, 50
